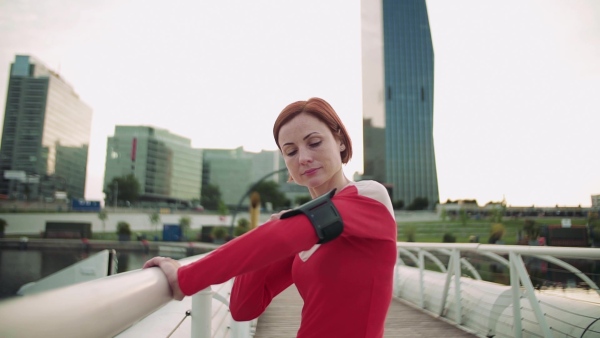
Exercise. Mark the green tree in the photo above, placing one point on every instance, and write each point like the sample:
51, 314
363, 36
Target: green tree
120, 189
210, 196
184, 223
531, 229
242, 227
154, 221
103, 216
444, 215
419, 203
123, 231
463, 215
498, 211
269, 192
222, 209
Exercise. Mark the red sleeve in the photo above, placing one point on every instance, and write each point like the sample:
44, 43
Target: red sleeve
259, 248
357, 210
252, 292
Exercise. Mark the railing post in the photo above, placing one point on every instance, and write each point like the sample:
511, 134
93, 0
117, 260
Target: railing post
530, 293
202, 313
457, 295
516, 294
421, 279
240, 329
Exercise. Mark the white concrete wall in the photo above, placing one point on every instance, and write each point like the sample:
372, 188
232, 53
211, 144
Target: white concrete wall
22, 223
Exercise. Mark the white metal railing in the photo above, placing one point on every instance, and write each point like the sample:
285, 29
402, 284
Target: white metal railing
106, 307
109, 306
490, 309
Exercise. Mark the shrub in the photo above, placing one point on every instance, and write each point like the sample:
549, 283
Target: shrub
123, 228
219, 232
242, 227
410, 232
449, 238
496, 233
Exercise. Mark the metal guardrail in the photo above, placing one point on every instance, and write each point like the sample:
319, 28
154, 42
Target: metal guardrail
105, 307
457, 292
117, 302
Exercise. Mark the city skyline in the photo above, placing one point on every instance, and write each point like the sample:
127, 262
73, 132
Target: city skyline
514, 98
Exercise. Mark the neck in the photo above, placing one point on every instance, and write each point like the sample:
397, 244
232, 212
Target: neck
337, 183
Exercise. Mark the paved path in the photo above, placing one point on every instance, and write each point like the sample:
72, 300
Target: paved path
282, 319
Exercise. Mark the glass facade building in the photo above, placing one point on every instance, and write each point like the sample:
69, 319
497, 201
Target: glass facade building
166, 166
234, 171
229, 169
398, 79
46, 134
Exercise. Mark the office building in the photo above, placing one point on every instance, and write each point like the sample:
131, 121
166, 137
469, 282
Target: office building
45, 136
397, 54
234, 171
166, 166
229, 169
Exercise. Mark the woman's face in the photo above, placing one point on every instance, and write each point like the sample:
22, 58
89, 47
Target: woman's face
312, 154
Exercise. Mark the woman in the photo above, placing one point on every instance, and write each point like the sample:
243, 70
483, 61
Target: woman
345, 282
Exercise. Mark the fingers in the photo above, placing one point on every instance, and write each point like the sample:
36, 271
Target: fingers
169, 267
151, 262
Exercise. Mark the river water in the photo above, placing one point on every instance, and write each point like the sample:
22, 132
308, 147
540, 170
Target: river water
19, 267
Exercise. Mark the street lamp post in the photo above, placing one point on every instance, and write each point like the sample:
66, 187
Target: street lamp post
234, 213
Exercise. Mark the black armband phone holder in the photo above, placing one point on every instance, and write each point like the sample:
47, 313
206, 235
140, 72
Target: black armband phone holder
323, 215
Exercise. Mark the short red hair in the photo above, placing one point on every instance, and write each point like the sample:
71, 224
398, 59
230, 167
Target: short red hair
323, 111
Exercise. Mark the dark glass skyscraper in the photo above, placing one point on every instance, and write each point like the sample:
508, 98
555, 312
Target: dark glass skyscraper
404, 97
45, 135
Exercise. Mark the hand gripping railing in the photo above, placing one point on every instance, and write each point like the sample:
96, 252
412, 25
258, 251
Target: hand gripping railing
100, 308
521, 288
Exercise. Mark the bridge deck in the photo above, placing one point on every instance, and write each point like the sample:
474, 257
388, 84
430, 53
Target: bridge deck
282, 319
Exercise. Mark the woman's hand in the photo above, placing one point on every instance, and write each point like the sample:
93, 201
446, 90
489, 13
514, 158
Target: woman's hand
169, 267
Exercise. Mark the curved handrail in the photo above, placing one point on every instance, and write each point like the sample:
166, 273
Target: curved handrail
521, 288
114, 303
563, 252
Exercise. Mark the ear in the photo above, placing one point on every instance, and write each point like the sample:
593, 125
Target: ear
342, 147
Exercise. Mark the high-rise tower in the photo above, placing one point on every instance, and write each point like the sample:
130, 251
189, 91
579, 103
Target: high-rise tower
398, 98
45, 136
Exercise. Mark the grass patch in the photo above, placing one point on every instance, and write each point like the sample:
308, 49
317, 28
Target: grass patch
433, 231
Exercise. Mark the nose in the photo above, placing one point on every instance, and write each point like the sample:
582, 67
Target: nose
304, 156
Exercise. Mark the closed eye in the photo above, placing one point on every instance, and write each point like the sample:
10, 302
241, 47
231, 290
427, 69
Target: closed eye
315, 144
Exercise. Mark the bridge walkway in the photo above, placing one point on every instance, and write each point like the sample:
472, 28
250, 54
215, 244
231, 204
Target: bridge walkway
282, 320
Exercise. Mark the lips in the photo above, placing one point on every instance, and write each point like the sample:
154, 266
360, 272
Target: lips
310, 171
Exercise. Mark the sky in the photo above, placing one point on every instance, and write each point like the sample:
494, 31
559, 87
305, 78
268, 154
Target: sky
516, 105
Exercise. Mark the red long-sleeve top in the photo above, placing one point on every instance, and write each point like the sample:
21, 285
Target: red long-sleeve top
346, 284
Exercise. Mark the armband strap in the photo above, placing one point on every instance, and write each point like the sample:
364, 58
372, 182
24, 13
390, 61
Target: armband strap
323, 215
